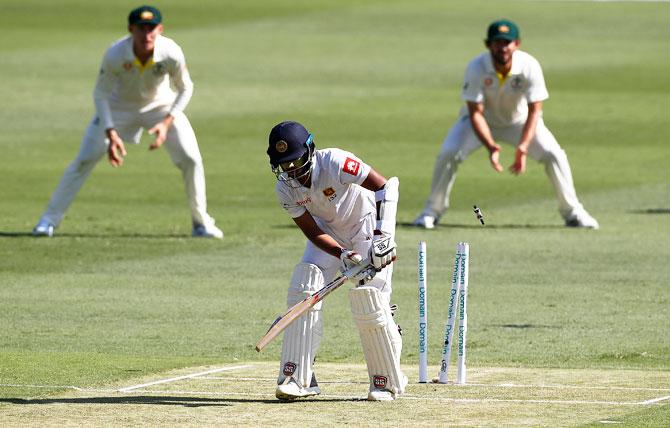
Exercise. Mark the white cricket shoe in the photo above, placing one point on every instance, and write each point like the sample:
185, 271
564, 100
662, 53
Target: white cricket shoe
380, 395
425, 221
290, 390
202, 231
43, 228
377, 394
583, 220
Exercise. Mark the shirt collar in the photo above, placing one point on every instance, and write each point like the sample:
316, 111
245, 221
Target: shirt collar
516, 65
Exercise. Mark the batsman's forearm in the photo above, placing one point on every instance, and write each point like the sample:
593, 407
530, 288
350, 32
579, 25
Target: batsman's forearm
318, 237
326, 243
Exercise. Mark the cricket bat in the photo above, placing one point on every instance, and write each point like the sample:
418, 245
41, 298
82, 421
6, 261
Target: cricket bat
300, 308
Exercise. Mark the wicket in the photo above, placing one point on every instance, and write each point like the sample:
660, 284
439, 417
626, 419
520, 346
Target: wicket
423, 315
458, 299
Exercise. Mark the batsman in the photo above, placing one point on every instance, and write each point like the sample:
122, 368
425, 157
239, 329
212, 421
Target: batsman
347, 212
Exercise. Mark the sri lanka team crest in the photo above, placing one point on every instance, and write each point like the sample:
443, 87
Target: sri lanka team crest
351, 166
379, 381
289, 368
329, 193
281, 146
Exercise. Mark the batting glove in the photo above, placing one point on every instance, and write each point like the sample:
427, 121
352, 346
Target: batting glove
382, 252
351, 259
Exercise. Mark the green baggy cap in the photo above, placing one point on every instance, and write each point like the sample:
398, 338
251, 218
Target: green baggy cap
502, 30
145, 15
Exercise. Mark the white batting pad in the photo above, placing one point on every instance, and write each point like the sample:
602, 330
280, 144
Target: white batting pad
387, 205
380, 338
302, 338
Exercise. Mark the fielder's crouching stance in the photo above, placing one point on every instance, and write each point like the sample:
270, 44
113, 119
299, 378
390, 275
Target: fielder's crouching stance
347, 211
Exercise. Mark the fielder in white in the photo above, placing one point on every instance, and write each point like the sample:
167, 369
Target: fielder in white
503, 90
134, 91
342, 206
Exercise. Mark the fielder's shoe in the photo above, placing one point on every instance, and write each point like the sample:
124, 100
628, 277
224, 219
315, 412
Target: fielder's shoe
425, 221
378, 394
583, 220
290, 390
202, 231
43, 228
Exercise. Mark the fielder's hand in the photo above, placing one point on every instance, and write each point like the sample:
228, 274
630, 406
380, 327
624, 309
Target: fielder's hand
519, 166
116, 150
160, 130
494, 157
382, 252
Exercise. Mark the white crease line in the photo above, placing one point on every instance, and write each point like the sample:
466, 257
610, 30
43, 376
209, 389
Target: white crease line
174, 379
486, 385
656, 400
520, 400
513, 385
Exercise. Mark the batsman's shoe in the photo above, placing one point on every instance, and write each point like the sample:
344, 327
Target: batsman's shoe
290, 390
425, 221
43, 228
378, 394
202, 231
583, 220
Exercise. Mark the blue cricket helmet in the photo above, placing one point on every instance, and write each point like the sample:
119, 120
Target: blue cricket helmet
288, 141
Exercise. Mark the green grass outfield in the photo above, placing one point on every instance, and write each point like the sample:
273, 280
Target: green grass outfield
123, 296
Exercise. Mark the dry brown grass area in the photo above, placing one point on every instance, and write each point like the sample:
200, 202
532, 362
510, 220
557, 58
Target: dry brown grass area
245, 397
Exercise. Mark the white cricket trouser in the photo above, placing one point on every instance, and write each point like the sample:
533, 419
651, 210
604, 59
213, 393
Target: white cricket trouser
180, 143
462, 140
359, 240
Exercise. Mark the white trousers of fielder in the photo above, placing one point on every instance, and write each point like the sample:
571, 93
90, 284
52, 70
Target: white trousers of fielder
461, 141
180, 143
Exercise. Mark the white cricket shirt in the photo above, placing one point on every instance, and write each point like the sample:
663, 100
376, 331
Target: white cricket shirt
125, 84
335, 198
506, 103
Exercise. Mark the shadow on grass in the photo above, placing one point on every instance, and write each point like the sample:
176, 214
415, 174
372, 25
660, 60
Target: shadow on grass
525, 326
163, 401
652, 211
15, 234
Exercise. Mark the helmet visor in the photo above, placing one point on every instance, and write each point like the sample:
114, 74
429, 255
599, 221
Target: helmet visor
293, 171
294, 164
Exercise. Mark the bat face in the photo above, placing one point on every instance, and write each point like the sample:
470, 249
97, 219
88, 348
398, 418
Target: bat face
297, 310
